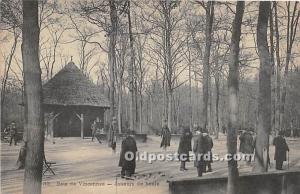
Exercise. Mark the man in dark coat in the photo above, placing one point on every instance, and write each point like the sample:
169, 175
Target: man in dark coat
165, 136
281, 148
209, 145
247, 143
199, 151
128, 155
185, 145
13, 133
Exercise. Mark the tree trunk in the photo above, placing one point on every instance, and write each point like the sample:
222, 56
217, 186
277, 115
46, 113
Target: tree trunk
151, 110
264, 96
120, 107
112, 55
170, 103
190, 98
273, 75
233, 88
217, 83
33, 99
131, 73
206, 65
278, 67
141, 112
211, 119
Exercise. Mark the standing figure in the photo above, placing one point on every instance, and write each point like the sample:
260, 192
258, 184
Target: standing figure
112, 140
199, 151
208, 146
281, 148
247, 143
13, 133
99, 129
165, 136
128, 155
93, 129
185, 146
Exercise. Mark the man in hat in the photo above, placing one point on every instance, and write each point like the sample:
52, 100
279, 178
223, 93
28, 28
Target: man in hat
199, 151
165, 135
185, 146
112, 134
13, 133
128, 155
247, 143
208, 141
281, 148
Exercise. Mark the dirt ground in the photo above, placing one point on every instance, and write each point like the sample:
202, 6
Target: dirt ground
83, 166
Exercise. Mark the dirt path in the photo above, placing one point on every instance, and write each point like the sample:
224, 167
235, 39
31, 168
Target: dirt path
89, 167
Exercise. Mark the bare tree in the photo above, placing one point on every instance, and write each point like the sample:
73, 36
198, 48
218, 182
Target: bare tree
166, 45
292, 26
33, 98
209, 11
10, 22
233, 88
48, 55
132, 87
264, 98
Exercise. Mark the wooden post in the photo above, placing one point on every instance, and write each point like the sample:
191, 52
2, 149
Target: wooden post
81, 126
51, 119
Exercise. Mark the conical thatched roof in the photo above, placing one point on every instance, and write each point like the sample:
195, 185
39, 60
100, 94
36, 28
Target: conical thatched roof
70, 87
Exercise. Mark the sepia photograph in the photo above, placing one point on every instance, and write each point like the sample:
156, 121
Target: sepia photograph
149, 97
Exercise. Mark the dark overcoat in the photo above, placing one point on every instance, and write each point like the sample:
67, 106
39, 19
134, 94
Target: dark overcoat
281, 148
128, 145
246, 143
185, 146
166, 137
208, 146
199, 149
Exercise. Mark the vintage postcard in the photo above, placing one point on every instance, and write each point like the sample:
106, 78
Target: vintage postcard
150, 96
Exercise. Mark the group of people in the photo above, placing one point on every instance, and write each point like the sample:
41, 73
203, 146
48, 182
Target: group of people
248, 141
97, 128
203, 144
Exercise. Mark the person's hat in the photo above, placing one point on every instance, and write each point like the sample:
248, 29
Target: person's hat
186, 129
281, 133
